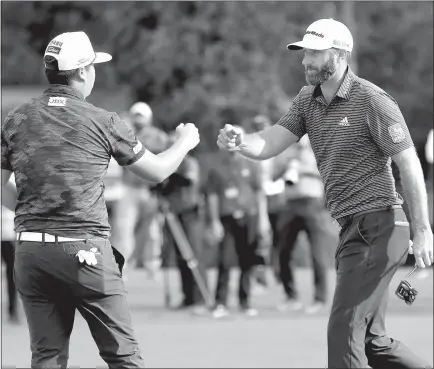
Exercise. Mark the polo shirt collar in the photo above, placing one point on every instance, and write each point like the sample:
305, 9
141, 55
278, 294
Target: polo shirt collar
344, 89
55, 90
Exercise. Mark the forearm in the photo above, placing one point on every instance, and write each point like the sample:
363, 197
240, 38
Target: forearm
253, 147
268, 143
415, 194
9, 196
157, 168
172, 158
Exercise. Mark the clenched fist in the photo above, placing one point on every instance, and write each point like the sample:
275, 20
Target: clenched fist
188, 134
230, 137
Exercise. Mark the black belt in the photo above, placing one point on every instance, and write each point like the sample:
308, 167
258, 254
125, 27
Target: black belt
347, 218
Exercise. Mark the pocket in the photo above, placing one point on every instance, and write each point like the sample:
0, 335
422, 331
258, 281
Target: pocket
353, 258
25, 248
354, 249
118, 258
367, 228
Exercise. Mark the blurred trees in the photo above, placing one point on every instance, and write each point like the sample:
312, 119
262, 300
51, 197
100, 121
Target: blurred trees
193, 60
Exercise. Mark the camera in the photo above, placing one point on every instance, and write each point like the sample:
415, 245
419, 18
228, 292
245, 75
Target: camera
171, 184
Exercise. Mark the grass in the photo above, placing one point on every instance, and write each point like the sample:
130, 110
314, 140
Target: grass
173, 339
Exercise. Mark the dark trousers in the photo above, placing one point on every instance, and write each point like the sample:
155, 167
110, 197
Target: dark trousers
274, 251
8, 256
306, 214
371, 249
237, 232
193, 224
52, 284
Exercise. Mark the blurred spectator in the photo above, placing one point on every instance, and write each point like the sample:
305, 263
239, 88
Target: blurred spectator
8, 256
135, 216
113, 187
233, 188
305, 210
182, 193
274, 191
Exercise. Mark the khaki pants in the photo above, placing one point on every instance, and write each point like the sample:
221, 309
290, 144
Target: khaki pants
136, 229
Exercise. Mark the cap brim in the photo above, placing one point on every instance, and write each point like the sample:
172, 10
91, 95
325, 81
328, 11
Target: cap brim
102, 58
307, 45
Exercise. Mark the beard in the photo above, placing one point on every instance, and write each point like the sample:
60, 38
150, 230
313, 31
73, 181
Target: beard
319, 76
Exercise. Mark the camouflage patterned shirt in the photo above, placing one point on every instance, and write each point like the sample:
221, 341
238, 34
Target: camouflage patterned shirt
59, 147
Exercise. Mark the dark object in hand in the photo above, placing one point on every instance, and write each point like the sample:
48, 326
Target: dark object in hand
119, 258
406, 292
171, 184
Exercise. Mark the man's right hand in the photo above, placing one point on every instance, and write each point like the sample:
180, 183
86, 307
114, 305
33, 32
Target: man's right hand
188, 134
230, 137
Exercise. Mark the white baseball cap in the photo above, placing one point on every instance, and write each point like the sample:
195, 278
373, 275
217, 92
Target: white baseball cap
73, 50
141, 108
325, 34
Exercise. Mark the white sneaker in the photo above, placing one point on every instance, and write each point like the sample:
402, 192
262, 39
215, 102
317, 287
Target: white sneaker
220, 312
315, 308
250, 312
199, 310
290, 305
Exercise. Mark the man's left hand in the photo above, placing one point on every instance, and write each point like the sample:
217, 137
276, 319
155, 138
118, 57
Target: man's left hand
422, 248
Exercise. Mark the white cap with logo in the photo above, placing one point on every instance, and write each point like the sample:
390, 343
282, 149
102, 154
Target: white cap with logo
74, 50
325, 34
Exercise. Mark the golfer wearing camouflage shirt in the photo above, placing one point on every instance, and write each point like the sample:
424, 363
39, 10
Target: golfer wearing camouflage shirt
59, 147
355, 129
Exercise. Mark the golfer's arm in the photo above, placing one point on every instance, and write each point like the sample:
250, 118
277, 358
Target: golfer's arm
267, 143
156, 168
413, 184
213, 207
9, 191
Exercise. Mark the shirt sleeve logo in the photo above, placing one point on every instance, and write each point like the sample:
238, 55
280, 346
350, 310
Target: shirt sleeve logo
396, 133
57, 101
137, 148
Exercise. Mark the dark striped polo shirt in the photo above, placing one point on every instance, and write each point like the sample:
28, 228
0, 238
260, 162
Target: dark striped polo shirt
59, 147
353, 139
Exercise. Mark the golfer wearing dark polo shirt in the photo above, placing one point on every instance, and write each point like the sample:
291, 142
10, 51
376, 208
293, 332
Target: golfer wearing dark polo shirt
59, 147
355, 129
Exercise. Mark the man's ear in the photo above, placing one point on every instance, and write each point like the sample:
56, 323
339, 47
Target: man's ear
82, 74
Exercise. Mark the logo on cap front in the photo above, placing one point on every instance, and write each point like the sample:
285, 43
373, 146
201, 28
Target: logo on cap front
314, 34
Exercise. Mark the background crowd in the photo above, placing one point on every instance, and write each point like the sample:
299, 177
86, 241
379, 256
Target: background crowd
216, 63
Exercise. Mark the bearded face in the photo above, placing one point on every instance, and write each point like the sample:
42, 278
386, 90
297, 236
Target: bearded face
318, 74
